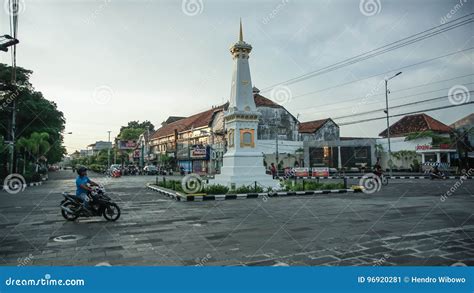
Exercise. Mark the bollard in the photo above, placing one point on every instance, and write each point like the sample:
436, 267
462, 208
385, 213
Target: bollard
255, 184
345, 182
164, 181
302, 180
156, 180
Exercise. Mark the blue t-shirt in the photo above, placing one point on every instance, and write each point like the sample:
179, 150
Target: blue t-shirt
79, 181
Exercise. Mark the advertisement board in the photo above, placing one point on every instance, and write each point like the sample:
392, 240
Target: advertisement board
127, 144
301, 172
320, 172
199, 152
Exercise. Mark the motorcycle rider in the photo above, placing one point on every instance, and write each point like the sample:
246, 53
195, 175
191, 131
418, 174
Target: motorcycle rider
378, 168
83, 186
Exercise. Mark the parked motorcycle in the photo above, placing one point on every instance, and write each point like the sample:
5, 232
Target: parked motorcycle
99, 205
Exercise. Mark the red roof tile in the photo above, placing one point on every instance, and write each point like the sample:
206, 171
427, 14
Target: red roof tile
261, 101
312, 126
416, 123
194, 121
205, 118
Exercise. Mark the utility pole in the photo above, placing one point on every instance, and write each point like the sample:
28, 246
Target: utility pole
388, 123
12, 136
108, 152
276, 142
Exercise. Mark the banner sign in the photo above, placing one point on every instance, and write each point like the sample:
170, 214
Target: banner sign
127, 144
301, 172
320, 171
199, 152
136, 153
257, 279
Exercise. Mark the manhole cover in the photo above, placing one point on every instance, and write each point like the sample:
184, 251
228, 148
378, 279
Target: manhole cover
68, 238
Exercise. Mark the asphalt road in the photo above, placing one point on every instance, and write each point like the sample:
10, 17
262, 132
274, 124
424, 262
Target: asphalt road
405, 223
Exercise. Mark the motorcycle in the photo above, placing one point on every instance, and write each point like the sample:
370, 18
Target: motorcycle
382, 177
99, 205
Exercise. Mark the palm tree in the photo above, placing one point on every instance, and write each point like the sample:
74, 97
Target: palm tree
36, 145
24, 145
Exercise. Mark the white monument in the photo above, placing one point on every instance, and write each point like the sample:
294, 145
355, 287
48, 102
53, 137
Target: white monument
242, 163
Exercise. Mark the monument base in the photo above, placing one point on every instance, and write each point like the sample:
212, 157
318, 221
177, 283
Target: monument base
244, 169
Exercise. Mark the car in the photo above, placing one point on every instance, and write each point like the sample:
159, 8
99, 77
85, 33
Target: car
150, 170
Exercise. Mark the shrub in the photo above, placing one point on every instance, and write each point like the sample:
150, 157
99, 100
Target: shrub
215, 189
310, 185
247, 189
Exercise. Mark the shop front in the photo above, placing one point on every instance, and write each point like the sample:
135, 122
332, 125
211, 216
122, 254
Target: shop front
347, 154
439, 155
199, 155
194, 159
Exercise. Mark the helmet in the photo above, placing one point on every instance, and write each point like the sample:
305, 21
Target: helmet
81, 169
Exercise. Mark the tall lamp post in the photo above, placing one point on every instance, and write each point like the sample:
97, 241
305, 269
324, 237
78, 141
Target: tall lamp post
108, 152
388, 123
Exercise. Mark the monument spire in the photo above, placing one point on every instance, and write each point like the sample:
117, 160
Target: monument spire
241, 36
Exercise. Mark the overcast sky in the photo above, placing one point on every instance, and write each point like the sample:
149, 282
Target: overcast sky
108, 62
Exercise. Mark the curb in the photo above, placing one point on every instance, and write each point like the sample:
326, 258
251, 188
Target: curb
182, 197
389, 177
5, 187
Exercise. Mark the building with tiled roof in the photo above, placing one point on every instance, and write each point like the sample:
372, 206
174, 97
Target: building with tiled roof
318, 130
418, 137
414, 124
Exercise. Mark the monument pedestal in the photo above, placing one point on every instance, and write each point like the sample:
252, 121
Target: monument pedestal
244, 169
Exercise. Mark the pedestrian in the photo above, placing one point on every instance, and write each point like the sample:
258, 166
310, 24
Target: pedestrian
273, 170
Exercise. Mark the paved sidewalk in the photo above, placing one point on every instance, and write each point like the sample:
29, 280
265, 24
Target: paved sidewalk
406, 223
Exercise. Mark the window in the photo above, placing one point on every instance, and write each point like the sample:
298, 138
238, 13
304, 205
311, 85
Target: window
361, 153
247, 138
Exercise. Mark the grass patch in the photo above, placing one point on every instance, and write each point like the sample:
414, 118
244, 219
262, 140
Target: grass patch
290, 185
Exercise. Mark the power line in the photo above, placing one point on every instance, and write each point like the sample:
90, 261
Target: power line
407, 113
378, 51
383, 73
392, 99
383, 94
393, 107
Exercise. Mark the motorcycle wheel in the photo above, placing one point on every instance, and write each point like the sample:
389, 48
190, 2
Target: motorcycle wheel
112, 212
384, 180
69, 216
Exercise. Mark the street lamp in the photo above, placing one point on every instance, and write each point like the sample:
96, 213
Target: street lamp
7, 41
388, 123
108, 151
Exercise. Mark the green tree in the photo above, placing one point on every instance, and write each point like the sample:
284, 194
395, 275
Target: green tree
35, 114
